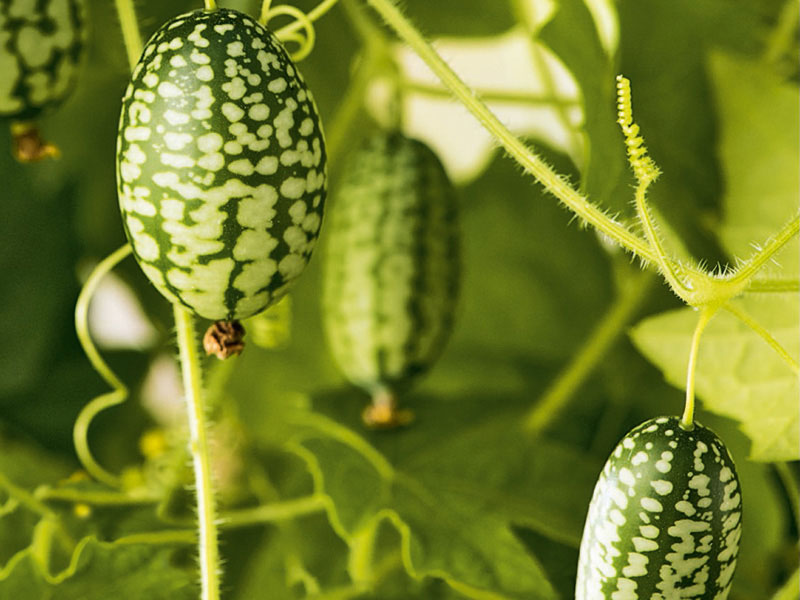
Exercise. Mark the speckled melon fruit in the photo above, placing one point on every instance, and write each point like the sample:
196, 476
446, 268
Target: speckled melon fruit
41, 42
665, 519
221, 166
392, 264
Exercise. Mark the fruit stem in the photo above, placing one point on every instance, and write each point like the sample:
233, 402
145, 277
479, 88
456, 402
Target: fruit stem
126, 10
198, 447
210, 4
706, 314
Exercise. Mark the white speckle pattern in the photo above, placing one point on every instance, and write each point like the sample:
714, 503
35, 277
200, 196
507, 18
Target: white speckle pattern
199, 164
40, 48
689, 528
391, 267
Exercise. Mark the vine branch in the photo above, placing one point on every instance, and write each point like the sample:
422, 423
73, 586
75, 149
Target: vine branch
531, 162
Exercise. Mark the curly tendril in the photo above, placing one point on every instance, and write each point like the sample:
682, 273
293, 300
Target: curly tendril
302, 21
290, 33
643, 166
120, 391
646, 172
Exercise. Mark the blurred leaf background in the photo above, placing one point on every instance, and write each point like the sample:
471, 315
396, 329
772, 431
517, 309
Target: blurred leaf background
462, 503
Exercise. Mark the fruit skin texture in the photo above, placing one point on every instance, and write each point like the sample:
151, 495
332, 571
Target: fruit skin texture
221, 166
391, 264
665, 518
41, 43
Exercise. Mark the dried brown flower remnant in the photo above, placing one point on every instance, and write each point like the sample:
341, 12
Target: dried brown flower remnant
29, 146
224, 339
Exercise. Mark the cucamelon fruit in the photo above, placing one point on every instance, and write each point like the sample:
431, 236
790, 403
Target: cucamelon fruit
221, 167
41, 42
665, 519
391, 268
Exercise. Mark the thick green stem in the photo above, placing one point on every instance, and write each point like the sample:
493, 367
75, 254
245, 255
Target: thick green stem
130, 30
687, 420
558, 394
198, 447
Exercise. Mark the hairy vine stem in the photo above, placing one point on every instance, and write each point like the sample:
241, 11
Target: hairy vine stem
715, 290
493, 96
198, 446
531, 162
748, 270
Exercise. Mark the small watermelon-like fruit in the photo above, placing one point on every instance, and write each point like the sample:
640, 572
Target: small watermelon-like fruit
221, 167
665, 518
41, 42
391, 268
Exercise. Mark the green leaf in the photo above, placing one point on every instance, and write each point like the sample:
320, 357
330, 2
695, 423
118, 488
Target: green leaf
758, 149
527, 268
452, 485
738, 374
99, 571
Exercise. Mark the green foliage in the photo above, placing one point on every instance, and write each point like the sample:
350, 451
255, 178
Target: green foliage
463, 501
739, 375
100, 570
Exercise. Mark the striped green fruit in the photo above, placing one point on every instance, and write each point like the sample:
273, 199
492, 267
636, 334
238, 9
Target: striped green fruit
41, 42
391, 268
665, 519
220, 165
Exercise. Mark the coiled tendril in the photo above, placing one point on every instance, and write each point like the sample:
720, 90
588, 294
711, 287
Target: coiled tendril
302, 21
